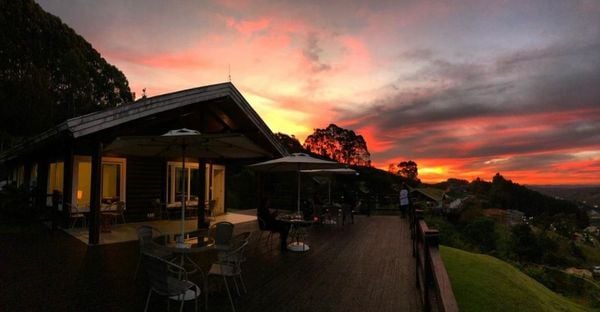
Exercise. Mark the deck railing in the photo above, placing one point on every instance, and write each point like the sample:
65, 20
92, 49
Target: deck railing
432, 277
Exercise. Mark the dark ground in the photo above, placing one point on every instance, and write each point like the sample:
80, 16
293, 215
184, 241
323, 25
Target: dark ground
366, 266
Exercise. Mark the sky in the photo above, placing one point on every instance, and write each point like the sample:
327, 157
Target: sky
463, 88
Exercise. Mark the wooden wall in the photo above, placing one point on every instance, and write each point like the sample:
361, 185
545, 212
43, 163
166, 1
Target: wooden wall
145, 182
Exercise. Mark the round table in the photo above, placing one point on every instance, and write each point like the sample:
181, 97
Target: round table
297, 226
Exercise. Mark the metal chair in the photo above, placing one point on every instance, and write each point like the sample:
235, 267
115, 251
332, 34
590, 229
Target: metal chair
222, 233
146, 234
262, 225
170, 280
229, 266
76, 215
118, 212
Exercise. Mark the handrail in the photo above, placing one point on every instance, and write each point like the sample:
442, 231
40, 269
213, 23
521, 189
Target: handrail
431, 275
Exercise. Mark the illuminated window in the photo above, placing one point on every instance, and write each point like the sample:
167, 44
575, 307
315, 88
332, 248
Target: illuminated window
55, 179
113, 180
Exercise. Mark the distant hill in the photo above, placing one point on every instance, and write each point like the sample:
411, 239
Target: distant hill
588, 195
484, 283
48, 73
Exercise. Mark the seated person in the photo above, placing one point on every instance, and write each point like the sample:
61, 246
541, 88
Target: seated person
272, 224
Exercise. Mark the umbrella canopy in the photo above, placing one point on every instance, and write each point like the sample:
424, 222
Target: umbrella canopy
187, 143
296, 162
196, 145
329, 172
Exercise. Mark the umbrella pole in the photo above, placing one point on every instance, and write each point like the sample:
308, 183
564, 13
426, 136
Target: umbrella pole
299, 181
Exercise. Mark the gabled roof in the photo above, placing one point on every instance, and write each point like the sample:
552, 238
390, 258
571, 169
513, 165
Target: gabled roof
101, 120
434, 194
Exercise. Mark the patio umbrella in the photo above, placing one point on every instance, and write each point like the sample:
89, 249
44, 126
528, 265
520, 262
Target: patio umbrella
296, 162
187, 143
329, 172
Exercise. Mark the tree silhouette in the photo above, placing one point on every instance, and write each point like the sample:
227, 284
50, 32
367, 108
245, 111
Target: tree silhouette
290, 142
408, 170
48, 73
339, 144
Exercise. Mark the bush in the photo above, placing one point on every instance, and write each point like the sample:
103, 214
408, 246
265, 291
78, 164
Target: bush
482, 233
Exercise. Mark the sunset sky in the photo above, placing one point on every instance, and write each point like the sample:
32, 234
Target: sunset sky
464, 88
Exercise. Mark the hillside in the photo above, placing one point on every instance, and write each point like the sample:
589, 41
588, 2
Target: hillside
484, 283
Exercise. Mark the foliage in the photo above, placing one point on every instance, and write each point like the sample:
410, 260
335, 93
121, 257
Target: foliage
290, 142
484, 283
482, 233
48, 73
525, 244
339, 144
409, 170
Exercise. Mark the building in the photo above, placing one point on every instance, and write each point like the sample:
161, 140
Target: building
85, 161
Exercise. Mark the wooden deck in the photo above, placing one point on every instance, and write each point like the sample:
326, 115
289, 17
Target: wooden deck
366, 266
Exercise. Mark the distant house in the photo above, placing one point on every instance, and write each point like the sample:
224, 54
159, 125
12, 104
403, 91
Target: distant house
75, 157
428, 197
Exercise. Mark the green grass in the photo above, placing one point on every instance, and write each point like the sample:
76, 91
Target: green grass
484, 283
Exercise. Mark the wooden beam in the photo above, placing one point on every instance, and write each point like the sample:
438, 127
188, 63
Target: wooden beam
67, 184
202, 224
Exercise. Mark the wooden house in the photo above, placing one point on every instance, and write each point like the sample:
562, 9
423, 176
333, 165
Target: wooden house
75, 158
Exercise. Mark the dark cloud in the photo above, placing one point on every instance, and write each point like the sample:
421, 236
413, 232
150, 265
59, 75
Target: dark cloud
312, 52
562, 80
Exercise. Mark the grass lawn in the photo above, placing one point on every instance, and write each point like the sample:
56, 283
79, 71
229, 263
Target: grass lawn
484, 283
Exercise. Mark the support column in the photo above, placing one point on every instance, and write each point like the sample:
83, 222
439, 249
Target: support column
95, 194
42, 185
202, 223
67, 185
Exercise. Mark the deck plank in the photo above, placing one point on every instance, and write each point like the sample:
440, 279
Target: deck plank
366, 266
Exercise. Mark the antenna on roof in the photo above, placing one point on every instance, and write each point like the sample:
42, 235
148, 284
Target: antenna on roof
229, 71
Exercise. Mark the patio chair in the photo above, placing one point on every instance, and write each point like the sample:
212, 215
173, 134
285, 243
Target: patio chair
210, 207
263, 226
146, 234
170, 280
159, 209
76, 215
228, 265
119, 211
223, 232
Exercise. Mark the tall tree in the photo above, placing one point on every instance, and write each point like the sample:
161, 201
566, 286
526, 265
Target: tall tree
290, 142
408, 170
48, 73
339, 144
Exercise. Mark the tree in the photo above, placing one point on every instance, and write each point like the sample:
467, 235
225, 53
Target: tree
48, 73
408, 170
290, 142
339, 144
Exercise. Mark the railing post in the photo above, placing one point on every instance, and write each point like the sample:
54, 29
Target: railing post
430, 239
414, 229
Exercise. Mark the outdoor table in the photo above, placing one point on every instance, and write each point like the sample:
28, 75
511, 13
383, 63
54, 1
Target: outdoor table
297, 225
190, 245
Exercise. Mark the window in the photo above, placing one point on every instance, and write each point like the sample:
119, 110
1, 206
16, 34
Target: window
176, 185
113, 180
55, 179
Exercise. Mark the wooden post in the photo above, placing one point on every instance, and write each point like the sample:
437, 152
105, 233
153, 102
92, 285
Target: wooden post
42, 184
67, 185
202, 224
95, 194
